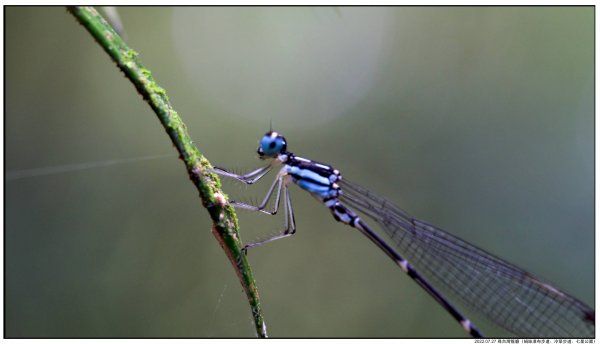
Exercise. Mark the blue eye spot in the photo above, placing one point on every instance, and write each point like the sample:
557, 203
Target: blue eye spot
271, 145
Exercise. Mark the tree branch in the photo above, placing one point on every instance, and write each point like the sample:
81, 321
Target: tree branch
225, 227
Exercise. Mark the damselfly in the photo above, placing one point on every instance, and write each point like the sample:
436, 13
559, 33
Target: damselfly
507, 295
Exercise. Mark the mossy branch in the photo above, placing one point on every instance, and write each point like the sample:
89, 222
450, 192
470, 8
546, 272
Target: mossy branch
225, 227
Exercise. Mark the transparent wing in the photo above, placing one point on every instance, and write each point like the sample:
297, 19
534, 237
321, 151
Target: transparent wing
507, 295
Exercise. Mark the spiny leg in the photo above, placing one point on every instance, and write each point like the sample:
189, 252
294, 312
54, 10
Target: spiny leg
277, 183
289, 223
292, 220
248, 178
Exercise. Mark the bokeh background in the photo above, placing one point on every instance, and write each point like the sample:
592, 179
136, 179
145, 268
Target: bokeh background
477, 119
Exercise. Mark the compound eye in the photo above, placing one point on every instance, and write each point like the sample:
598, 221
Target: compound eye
271, 145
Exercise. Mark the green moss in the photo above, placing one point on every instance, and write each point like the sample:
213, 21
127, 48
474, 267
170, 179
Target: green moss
131, 54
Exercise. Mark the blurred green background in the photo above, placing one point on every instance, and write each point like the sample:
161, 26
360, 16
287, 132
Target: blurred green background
477, 119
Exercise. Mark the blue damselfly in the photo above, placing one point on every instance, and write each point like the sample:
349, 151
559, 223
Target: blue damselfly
507, 295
